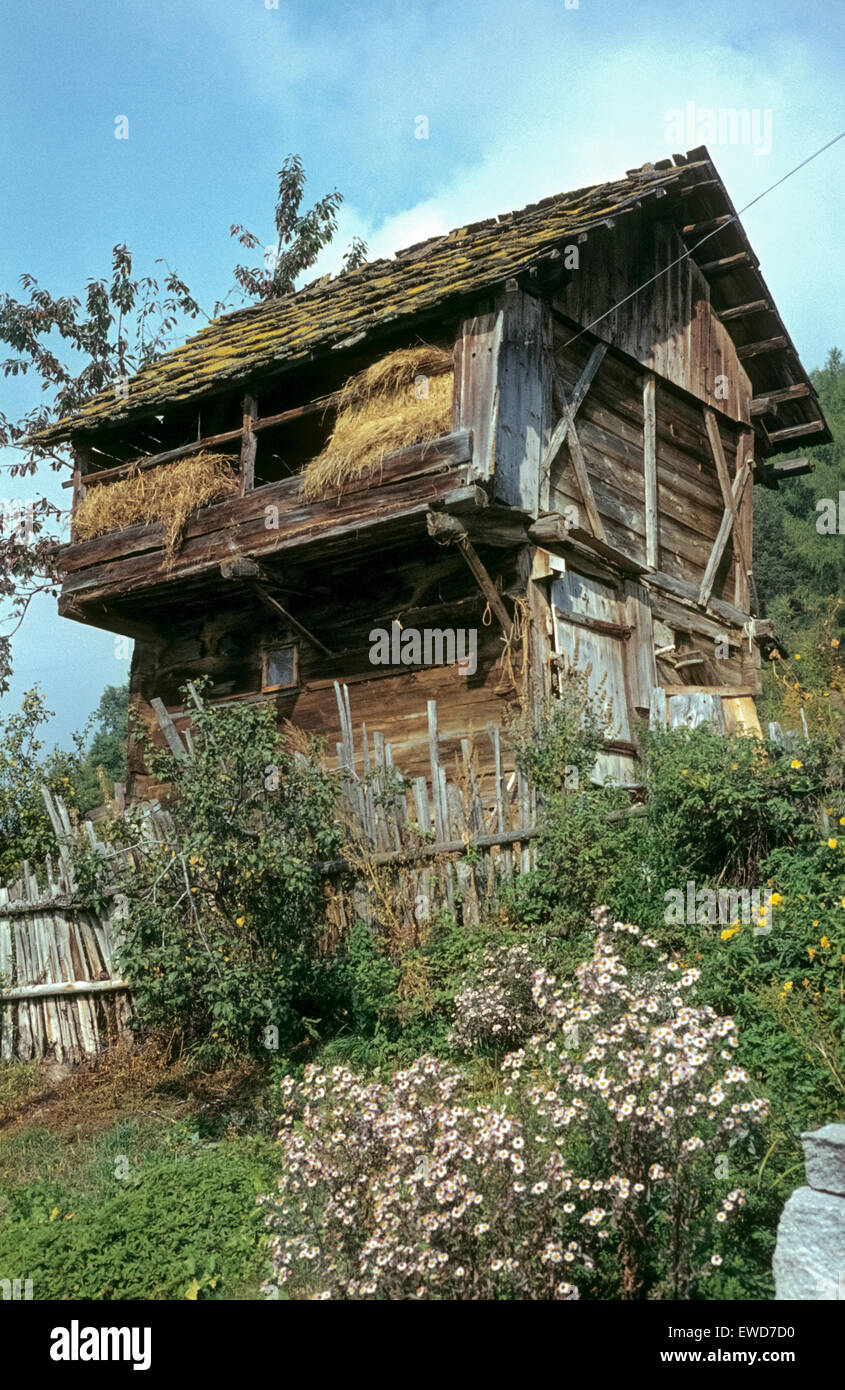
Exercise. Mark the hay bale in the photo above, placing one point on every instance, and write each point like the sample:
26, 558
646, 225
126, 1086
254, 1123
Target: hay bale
167, 494
381, 410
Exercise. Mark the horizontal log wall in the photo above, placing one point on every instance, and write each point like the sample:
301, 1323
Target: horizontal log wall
422, 585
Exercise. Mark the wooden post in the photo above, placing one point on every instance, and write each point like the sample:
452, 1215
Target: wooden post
476, 363
521, 395
652, 516
745, 509
249, 444
80, 460
642, 669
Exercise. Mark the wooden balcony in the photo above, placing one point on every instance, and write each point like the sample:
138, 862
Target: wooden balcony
105, 578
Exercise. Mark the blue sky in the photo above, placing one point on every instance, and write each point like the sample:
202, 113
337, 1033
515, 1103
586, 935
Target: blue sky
522, 100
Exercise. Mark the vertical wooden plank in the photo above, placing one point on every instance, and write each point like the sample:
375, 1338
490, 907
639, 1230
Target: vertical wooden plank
249, 444
420, 794
539, 619
501, 799
400, 804
476, 363
82, 466
542, 501
434, 760
524, 819
6, 974
520, 426
652, 524
745, 510
639, 650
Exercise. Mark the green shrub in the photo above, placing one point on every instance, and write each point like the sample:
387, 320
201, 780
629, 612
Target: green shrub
224, 920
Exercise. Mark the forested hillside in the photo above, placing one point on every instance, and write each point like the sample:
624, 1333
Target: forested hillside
799, 562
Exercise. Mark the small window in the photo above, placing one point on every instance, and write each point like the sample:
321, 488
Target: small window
280, 669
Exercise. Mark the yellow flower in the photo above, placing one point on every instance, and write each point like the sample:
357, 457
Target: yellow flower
797, 656
787, 986
824, 943
831, 844
795, 763
776, 899
684, 771
811, 952
842, 820
729, 932
815, 924
239, 921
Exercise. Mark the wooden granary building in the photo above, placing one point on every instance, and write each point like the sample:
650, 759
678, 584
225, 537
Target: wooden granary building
619, 380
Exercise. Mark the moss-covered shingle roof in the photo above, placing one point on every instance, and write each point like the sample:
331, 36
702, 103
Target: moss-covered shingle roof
279, 332
265, 338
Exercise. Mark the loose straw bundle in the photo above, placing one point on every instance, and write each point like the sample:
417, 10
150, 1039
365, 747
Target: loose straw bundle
381, 410
167, 494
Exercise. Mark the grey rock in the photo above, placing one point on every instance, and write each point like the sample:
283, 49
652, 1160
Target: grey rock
824, 1158
809, 1258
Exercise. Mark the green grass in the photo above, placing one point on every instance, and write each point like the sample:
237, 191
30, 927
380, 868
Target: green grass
136, 1180
134, 1214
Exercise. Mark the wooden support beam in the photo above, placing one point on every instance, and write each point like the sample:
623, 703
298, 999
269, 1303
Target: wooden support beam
621, 630
419, 853
56, 991
726, 263
444, 527
765, 405
765, 345
728, 499
168, 728
688, 594
555, 533
702, 228
566, 422
298, 627
796, 431
702, 186
722, 539
652, 515
743, 311
587, 377
567, 427
249, 444
792, 468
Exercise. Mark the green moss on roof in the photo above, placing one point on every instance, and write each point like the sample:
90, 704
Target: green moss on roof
264, 336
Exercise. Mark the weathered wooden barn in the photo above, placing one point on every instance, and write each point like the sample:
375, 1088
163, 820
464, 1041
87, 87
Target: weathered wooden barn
621, 380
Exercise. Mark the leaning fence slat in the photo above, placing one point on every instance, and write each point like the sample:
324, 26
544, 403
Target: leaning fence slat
168, 728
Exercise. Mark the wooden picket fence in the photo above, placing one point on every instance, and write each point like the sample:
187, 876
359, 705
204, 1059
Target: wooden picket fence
413, 848
438, 841
61, 995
